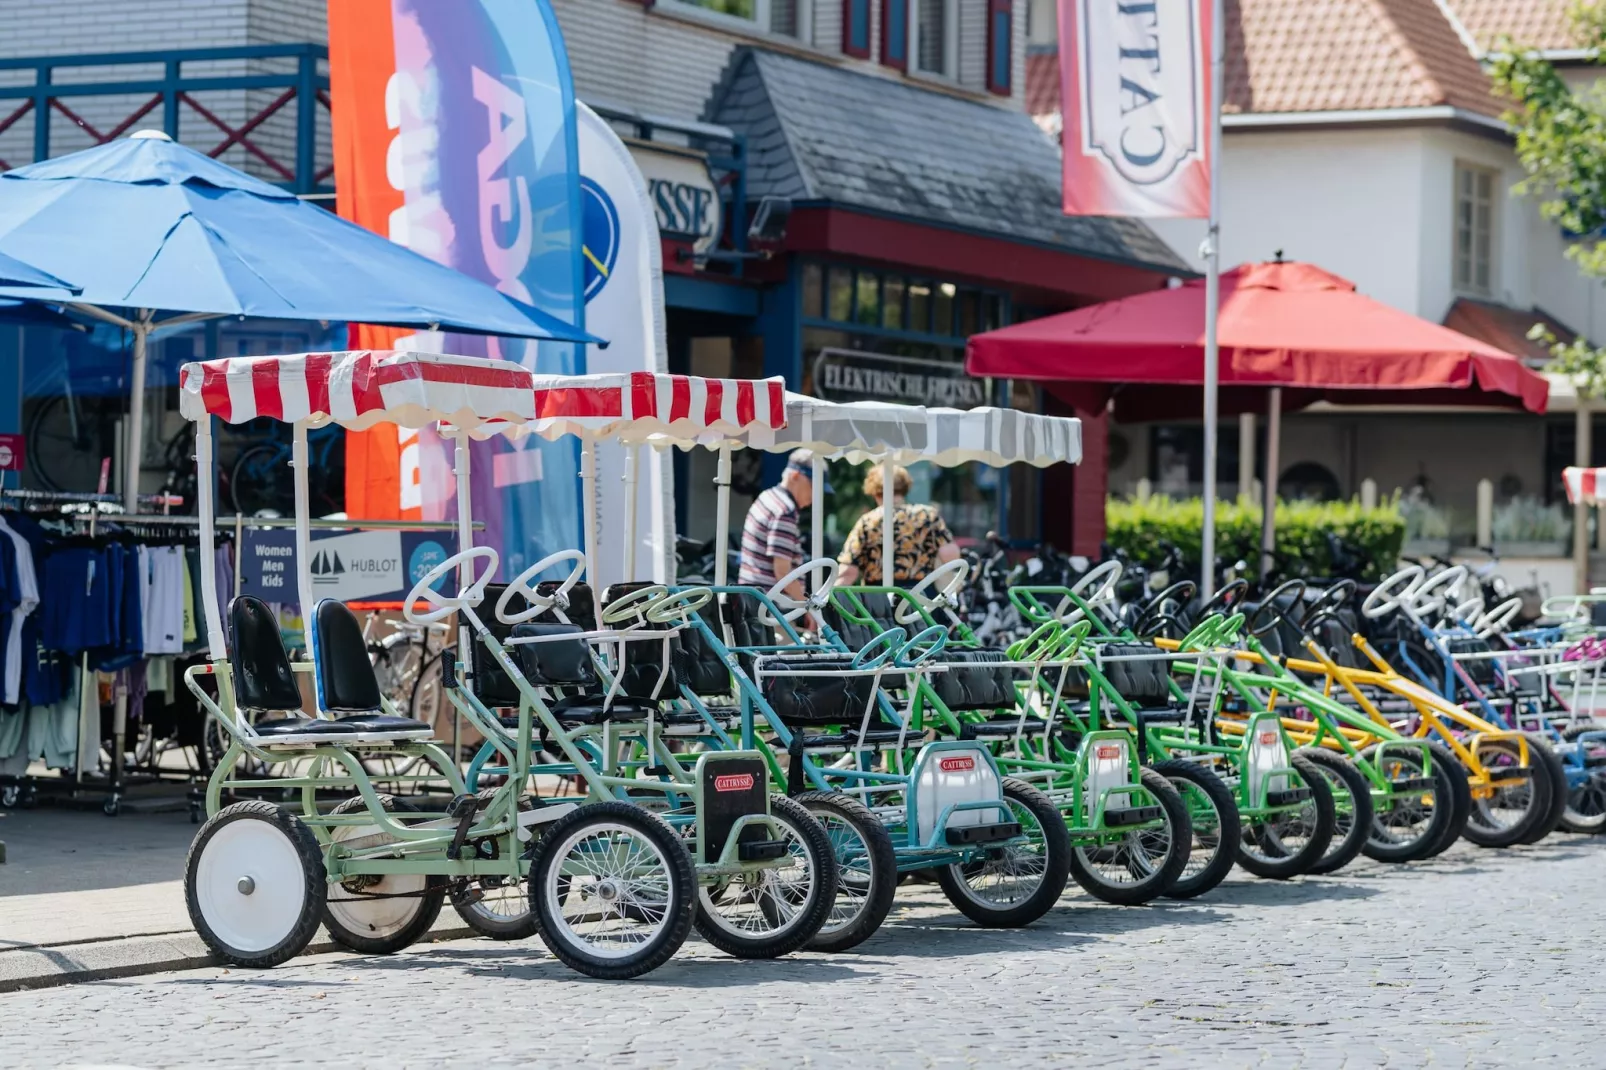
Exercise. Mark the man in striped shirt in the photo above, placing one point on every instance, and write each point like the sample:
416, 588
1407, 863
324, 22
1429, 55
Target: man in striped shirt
771, 543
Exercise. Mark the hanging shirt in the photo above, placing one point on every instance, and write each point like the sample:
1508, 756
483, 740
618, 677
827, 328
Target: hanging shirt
162, 602
28, 583
45, 672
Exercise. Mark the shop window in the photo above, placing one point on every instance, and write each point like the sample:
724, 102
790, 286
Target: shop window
856, 28
942, 306
839, 294
992, 312
920, 307
1474, 229
813, 291
892, 303
1000, 55
867, 309
935, 37
968, 312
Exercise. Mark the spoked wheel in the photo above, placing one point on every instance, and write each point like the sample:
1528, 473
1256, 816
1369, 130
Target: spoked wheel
866, 865
1586, 802
254, 884
612, 889
1352, 807
1213, 816
1014, 884
495, 906
1144, 863
771, 912
379, 914
1543, 754
1419, 824
1517, 802
1290, 842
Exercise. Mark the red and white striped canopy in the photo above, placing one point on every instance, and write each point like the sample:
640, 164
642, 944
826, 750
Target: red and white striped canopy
362, 388
1586, 486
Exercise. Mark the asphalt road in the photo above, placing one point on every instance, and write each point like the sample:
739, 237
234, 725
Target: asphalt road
1483, 958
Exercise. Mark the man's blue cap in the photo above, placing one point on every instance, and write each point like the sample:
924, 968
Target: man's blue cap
803, 461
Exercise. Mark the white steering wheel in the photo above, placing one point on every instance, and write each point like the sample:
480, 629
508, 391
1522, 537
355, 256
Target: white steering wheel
635, 605
1386, 595
681, 607
540, 603
1433, 594
792, 608
1470, 610
1096, 588
1496, 619
946, 580
446, 605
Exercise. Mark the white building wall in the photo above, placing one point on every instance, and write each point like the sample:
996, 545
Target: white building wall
1338, 198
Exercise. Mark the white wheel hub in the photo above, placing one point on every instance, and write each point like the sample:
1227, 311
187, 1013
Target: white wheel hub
250, 885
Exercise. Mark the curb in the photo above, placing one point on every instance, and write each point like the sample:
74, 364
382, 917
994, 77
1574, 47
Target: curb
27, 968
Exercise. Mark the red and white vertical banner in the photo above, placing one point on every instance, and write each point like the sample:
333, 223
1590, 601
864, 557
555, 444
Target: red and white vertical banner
1135, 98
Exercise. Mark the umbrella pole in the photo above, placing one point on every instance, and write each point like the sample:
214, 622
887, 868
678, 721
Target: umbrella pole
1268, 515
889, 520
1212, 353
136, 412
722, 515
298, 471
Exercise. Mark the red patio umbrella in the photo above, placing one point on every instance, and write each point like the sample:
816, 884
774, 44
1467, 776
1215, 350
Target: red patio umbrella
1291, 327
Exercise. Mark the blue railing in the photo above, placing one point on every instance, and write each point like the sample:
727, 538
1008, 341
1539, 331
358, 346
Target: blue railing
59, 88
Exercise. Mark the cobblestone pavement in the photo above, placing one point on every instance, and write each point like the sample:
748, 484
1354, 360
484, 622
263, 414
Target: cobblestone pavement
1481, 957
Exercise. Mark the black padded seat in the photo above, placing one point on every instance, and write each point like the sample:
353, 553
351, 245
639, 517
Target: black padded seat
855, 633
554, 661
261, 670
588, 709
1144, 681
875, 737
382, 722
302, 726
973, 681
346, 680
1003, 728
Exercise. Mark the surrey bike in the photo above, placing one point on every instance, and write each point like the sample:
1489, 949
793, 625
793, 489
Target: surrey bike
612, 885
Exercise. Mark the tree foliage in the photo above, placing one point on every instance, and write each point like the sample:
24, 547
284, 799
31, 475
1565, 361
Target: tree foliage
1561, 143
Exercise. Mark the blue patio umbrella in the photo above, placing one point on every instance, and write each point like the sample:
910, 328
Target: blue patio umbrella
14, 272
153, 233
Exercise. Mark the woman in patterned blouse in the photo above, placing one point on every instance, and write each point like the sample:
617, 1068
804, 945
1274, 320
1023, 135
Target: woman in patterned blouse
921, 539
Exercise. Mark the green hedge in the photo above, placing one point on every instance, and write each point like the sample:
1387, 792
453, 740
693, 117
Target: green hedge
1375, 535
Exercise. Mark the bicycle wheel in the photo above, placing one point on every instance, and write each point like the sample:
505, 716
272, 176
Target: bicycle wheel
261, 480
68, 438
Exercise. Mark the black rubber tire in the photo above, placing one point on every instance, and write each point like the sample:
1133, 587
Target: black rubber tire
1056, 844
1542, 790
881, 868
314, 883
810, 835
1444, 760
429, 902
1576, 821
489, 923
1155, 882
682, 890
1558, 787
1198, 877
1444, 824
1307, 856
1352, 808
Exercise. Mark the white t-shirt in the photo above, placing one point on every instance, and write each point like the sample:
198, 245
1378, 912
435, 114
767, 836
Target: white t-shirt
29, 581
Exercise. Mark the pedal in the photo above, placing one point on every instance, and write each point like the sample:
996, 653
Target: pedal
1132, 815
1287, 796
969, 835
542, 815
1415, 783
658, 771
461, 809
760, 850
449, 670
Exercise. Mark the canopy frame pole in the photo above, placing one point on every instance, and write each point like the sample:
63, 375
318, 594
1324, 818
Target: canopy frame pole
588, 502
817, 510
216, 649
1268, 515
722, 515
1246, 456
632, 460
889, 520
298, 467
1212, 370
